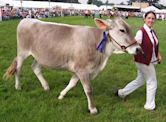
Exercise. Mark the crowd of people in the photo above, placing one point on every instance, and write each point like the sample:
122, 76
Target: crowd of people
12, 13
8, 12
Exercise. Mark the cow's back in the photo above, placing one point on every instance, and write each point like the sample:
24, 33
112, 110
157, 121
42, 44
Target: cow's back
59, 45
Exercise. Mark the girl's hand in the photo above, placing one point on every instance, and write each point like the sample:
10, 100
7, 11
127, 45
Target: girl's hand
159, 58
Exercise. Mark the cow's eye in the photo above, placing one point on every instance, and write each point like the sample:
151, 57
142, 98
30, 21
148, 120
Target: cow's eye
122, 30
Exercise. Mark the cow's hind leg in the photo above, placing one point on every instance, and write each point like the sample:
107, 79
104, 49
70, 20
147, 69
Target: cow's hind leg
37, 70
20, 59
85, 80
72, 83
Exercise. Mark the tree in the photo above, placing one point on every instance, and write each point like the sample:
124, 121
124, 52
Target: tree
90, 2
65, 1
148, 1
106, 2
152, 1
95, 2
122, 3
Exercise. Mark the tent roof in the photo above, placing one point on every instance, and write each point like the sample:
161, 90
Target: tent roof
105, 7
46, 4
162, 11
126, 6
150, 8
2, 3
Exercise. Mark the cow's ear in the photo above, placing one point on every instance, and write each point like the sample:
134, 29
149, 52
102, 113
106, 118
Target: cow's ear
102, 24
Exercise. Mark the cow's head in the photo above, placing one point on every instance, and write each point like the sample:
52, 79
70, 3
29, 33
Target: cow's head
119, 35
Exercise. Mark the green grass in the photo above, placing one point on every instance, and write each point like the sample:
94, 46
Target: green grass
32, 104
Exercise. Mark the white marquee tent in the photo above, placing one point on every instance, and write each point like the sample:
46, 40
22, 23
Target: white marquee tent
150, 8
162, 11
105, 7
2, 3
43, 4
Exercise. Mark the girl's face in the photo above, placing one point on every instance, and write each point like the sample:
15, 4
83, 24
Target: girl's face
150, 19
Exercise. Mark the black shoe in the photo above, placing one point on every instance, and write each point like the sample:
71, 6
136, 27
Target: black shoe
116, 93
121, 97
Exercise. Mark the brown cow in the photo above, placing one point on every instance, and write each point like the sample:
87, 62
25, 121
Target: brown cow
62, 46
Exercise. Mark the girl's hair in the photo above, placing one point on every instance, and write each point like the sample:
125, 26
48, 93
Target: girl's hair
150, 12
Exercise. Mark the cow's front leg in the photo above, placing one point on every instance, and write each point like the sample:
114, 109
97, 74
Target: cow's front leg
88, 91
72, 83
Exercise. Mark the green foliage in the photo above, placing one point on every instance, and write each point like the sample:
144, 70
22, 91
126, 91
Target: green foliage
32, 104
147, 1
65, 1
89, 1
95, 2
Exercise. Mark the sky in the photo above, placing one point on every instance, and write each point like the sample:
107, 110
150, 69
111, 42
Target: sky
119, 1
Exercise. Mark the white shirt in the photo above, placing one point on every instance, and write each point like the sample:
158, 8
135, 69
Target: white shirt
139, 37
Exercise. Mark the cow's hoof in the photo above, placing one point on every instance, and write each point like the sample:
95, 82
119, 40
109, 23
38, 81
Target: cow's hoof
47, 88
18, 88
93, 111
60, 97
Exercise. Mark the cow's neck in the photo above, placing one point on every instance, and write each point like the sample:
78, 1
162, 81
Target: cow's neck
107, 53
104, 59
109, 49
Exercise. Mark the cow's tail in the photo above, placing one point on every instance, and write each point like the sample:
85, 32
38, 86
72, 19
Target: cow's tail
11, 70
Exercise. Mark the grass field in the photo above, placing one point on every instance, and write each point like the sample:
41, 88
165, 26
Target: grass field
33, 104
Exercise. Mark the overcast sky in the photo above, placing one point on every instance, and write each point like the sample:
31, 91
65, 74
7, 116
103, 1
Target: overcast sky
119, 1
